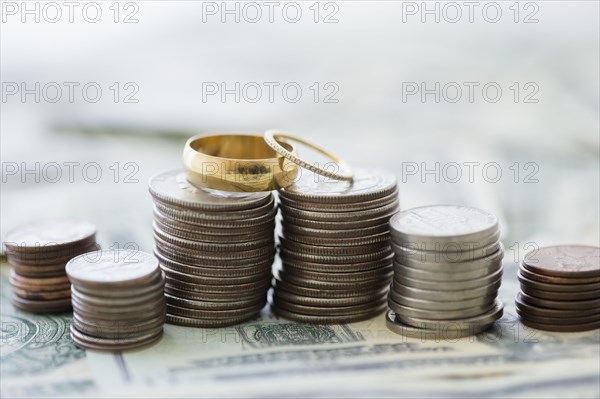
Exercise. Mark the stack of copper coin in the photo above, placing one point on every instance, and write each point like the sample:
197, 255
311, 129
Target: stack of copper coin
336, 259
118, 299
216, 249
447, 272
38, 253
560, 288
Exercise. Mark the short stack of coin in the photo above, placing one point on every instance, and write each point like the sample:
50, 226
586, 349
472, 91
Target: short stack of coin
216, 249
560, 288
118, 299
336, 259
447, 272
38, 253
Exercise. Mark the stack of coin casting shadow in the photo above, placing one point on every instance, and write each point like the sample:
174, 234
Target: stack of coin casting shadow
336, 259
560, 288
216, 249
447, 272
38, 253
118, 299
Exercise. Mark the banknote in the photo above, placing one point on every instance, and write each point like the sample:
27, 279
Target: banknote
269, 356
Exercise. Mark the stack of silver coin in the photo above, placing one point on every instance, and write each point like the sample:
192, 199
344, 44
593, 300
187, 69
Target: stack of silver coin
336, 259
447, 272
216, 249
38, 253
118, 299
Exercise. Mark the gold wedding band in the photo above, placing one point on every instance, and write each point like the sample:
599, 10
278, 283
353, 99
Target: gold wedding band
275, 139
237, 163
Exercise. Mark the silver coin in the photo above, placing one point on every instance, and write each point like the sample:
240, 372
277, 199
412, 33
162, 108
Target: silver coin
219, 215
426, 304
157, 284
338, 225
214, 313
287, 211
88, 342
331, 285
264, 219
233, 280
216, 272
335, 259
448, 275
201, 236
213, 262
328, 302
116, 328
449, 333
333, 251
224, 296
337, 241
444, 224
439, 295
324, 319
342, 277
439, 314
207, 322
108, 309
173, 187
212, 246
449, 285
367, 184
479, 321
215, 229
339, 207
255, 286
94, 315
338, 268
212, 305
265, 250
118, 302
324, 294
462, 263
361, 232
326, 310
113, 268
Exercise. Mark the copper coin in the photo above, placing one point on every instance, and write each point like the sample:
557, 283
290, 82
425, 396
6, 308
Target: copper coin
525, 272
327, 319
32, 281
561, 327
536, 311
558, 287
46, 306
557, 320
558, 295
114, 268
565, 261
564, 305
42, 295
40, 271
47, 235
49, 259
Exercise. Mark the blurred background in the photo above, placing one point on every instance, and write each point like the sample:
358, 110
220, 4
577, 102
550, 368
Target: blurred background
492, 104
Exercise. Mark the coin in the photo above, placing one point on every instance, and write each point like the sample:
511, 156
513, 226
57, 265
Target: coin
87, 342
203, 236
450, 285
479, 321
340, 216
365, 249
212, 262
557, 320
367, 184
459, 314
426, 304
219, 280
207, 323
116, 328
338, 268
555, 280
226, 296
215, 314
465, 260
41, 295
448, 275
330, 293
441, 295
209, 305
361, 232
335, 259
564, 261
329, 319
329, 302
332, 285
251, 269
558, 287
340, 207
47, 235
337, 241
561, 327
566, 305
45, 306
535, 311
339, 225
210, 246
446, 333
133, 300
172, 187
113, 268
186, 212
266, 249
444, 224
255, 286
558, 295
342, 277
199, 221
156, 284
323, 310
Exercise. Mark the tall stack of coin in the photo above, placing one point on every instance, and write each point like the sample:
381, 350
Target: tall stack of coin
447, 272
38, 253
117, 298
336, 259
560, 288
216, 249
